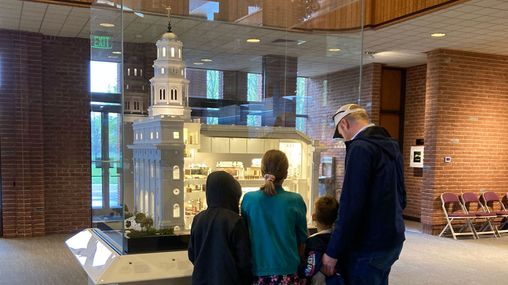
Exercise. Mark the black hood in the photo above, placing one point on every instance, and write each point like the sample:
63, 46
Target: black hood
380, 137
223, 191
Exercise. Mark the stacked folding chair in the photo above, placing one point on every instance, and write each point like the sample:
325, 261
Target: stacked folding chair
454, 210
495, 205
482, 221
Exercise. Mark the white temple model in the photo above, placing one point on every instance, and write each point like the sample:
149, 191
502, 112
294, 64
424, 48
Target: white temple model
158, 148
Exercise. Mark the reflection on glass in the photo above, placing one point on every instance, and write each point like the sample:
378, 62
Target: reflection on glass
96, 151
182, 123
254, 87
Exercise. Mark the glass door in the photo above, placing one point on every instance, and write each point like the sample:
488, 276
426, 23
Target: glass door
106, 162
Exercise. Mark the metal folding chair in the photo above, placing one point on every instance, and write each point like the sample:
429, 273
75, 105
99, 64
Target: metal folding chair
454, 211
482, 222
494, 204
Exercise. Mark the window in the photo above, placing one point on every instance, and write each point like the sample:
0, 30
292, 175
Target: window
254, 87
213, 84
180, 53
135, 72
127, 105
172, 52
128, 72
176, 172
127, 86
254, 120
140, 72
160, 94
176, 211
174, 95
212, 120
163, 94
301, 93
163, 70
164, 52
104, 77
176, 135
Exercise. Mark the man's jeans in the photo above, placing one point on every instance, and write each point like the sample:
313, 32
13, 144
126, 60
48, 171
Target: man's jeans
371, 268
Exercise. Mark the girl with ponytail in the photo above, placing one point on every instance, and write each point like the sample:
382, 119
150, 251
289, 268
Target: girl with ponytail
277, 224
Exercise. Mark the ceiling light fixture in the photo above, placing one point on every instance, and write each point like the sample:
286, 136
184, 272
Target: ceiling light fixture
117, 52
107, 25
438, 35
334, 49
206, 60
300, 42
253, 40
198, 63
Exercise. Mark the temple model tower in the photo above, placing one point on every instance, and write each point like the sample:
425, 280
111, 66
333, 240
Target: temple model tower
158, 149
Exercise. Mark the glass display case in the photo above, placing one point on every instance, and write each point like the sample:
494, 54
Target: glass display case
184, 88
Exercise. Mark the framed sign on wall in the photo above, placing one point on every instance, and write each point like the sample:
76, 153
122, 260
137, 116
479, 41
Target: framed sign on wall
416, 156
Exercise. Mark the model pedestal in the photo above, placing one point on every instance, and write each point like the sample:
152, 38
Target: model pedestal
105, 265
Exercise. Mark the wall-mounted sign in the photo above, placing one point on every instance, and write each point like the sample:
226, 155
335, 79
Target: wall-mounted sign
101, 42
416, 156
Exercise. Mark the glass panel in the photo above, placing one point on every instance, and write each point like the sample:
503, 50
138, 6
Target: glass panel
106, 121
244, 81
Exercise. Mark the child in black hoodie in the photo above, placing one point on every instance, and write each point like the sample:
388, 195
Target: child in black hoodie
219, 245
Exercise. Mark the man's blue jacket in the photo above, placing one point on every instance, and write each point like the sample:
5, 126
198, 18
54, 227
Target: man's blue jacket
373, 196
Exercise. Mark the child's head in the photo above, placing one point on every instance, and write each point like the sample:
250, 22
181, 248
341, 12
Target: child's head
325, 211
222, 190
274, 167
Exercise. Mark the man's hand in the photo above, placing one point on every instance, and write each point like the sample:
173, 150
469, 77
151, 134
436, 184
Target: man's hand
329, 264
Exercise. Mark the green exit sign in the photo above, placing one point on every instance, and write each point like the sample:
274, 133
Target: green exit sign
101, 42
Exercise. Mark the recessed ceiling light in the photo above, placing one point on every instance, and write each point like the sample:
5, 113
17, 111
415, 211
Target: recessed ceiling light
117, 52
198, 63
334, 49
206, 60
253, 40
438, 35
107, 25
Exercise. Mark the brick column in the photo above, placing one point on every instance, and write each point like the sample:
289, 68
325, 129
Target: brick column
21, 134
279, 80
465, 111
414, 127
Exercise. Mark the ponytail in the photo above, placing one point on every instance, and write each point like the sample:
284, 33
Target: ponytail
269, 187
274, 167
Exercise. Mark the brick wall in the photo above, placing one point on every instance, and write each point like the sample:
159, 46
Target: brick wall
465, 115
327, 93
21, 134
66, 124
44, 130
413, 129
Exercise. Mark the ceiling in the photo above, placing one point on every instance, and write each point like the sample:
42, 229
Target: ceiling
475, 25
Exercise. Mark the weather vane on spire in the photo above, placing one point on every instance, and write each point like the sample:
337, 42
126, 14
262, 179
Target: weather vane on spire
169, 19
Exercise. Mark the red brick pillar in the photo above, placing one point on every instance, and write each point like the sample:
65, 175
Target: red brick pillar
279, 81
21, 134
465, 111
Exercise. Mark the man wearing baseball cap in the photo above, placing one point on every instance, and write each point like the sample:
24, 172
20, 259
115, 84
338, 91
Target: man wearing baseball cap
369, 231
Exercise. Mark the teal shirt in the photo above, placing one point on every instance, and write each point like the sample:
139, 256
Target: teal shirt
277, 225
